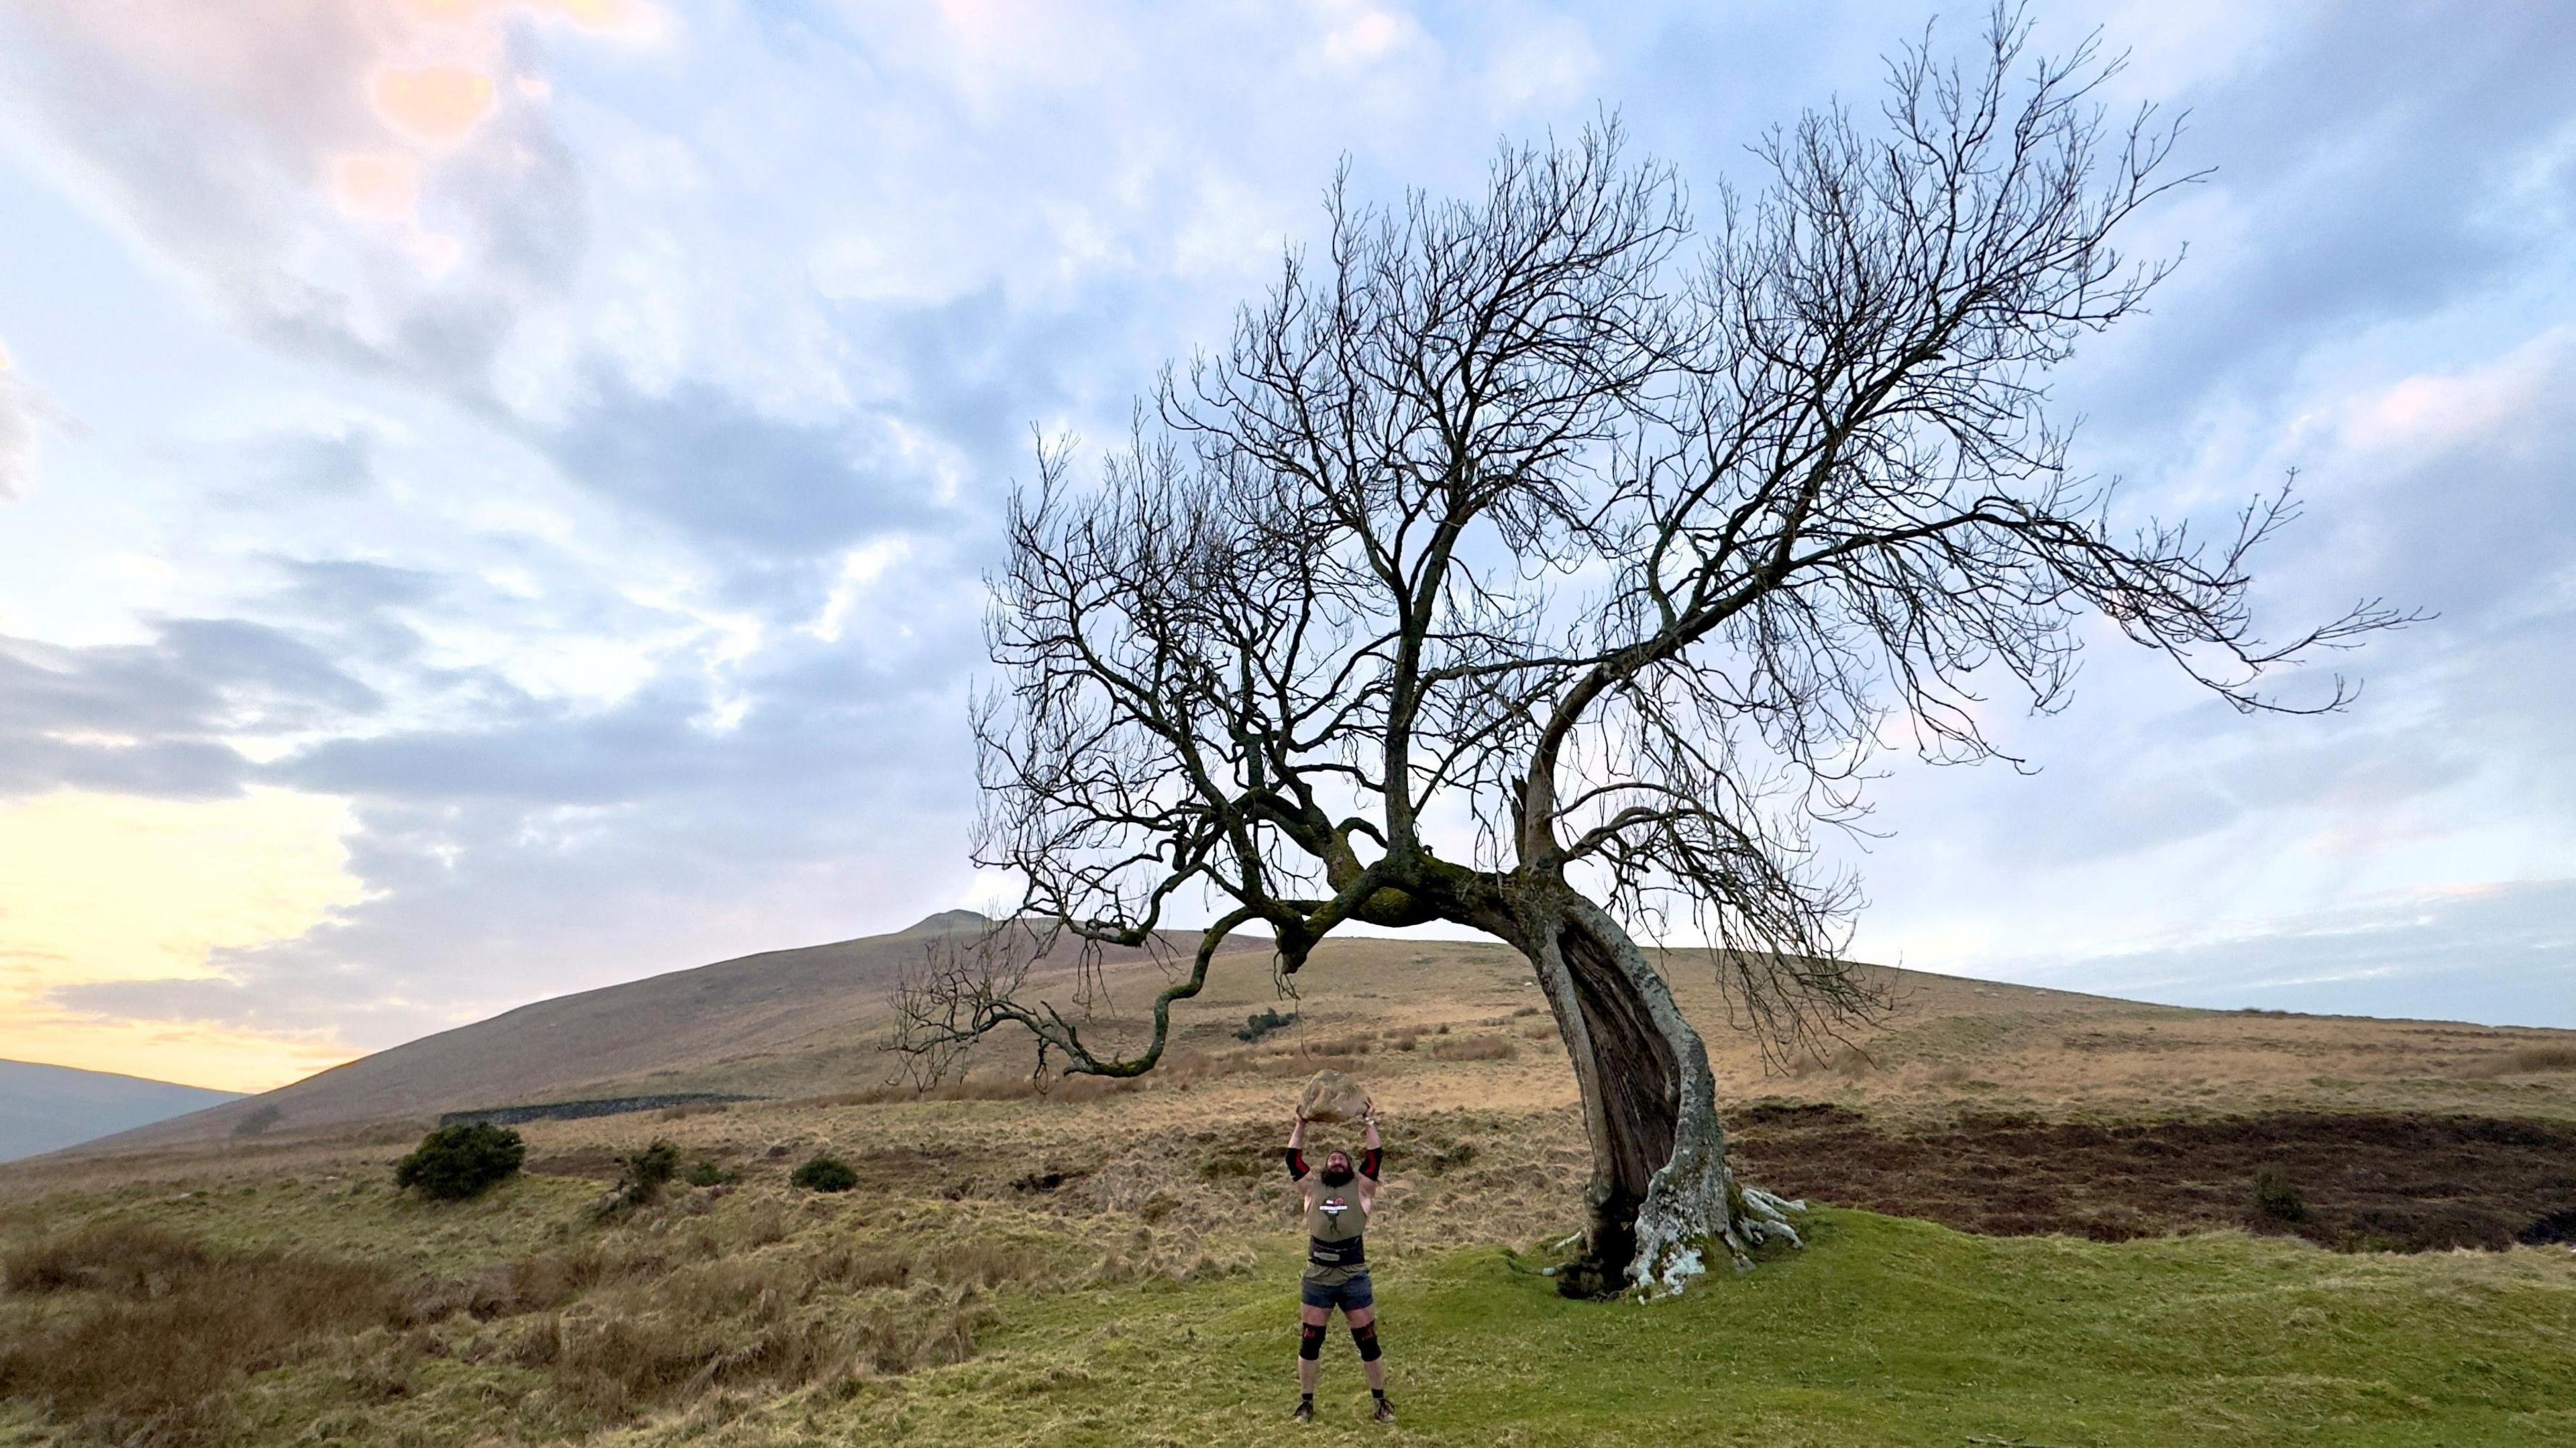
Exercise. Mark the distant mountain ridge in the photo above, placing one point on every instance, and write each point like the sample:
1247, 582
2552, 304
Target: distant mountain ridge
46, 1108
780, 1023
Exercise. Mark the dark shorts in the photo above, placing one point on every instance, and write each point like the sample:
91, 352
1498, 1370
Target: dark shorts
1345, 1295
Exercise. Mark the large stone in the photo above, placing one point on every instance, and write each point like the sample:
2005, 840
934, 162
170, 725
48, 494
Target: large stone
1331, 1096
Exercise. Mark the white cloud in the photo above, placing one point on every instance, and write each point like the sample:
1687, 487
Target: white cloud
380, 179
23, 408
607, 518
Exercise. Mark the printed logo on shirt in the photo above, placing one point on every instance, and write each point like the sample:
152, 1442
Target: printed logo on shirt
1333, 1206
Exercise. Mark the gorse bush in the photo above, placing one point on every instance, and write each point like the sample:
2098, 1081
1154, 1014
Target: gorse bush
457, 1162
708, 1174
1264, 1023
2278, 1197
642, 1176
825, 1173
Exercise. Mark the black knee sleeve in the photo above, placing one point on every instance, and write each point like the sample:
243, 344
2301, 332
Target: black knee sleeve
1310, 1341
1366, 1338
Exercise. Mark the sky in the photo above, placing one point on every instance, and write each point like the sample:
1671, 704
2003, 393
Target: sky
494, 493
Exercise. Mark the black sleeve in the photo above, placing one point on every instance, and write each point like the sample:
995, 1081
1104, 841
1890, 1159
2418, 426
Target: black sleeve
1296, 1164
1369, 1160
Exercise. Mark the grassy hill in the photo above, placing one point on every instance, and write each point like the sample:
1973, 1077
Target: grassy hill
810, 1022
2038, 1221
784, 1021
43, 1108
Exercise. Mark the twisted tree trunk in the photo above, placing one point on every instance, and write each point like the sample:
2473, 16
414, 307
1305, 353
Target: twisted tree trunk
1661, 1194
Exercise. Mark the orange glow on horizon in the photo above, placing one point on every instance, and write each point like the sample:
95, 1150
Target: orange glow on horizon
101, 888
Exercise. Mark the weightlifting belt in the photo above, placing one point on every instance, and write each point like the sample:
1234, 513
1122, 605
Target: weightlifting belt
1349, 1252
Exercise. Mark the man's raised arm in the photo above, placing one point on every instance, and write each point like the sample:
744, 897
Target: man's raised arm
1371, 1153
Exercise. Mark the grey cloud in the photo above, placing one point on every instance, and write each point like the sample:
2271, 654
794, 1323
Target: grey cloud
329, 463
570, 852
699, 457
339, 587
182, 998
150, 717
2369, 161
2474, 533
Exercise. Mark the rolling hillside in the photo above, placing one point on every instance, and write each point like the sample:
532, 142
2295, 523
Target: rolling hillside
808, 1023
784, 1022
45, 1108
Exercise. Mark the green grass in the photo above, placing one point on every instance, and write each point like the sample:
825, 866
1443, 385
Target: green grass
1884, 1332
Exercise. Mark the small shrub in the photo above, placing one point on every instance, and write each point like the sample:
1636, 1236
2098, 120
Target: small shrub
260, 1119
642, 1176
457, 1162
708, 1174
1264, 1023
825, 1173
2278, 1197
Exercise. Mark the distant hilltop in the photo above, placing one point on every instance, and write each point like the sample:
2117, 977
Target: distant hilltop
46, 1108
784, 1023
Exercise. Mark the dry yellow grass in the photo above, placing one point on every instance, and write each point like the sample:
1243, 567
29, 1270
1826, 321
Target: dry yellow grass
524, 1318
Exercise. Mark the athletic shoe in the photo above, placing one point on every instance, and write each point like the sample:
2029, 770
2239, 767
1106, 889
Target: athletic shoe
1305, 1410
1385, 1411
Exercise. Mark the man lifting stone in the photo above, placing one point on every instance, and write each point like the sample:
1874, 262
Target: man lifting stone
1337, 1201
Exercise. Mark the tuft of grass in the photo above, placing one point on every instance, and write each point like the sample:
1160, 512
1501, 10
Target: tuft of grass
156, 1328
2535, 1059
1476, 1048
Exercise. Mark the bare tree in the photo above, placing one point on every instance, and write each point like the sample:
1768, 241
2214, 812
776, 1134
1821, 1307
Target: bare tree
1547, 522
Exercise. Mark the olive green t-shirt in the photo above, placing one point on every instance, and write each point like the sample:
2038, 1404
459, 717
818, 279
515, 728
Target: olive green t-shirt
1334, 1216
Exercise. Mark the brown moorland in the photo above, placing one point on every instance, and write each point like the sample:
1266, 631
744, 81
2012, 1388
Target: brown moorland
546, 1312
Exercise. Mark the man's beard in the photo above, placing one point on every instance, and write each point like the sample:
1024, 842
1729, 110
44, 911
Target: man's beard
1338, 1176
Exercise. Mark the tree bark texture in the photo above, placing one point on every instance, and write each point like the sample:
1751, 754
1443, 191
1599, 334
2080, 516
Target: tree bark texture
1661, 1195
